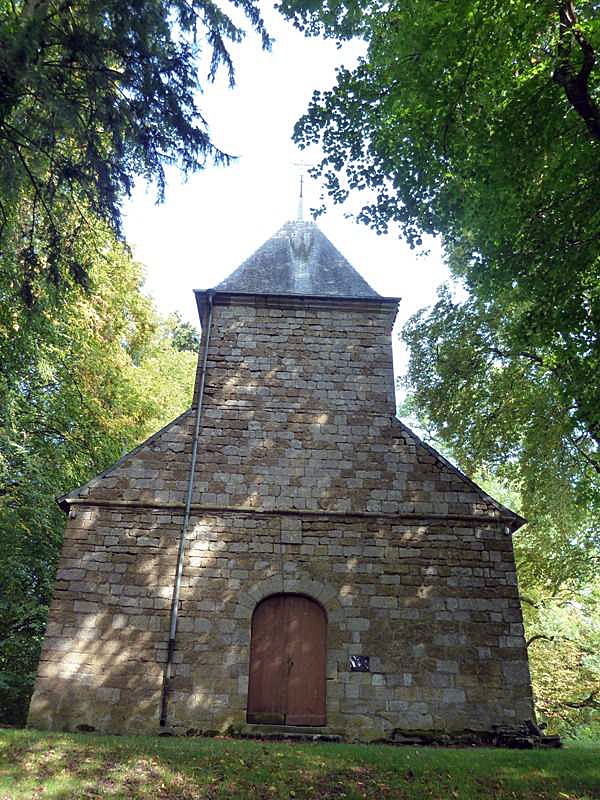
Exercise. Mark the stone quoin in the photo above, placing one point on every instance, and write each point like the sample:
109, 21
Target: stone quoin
334, 571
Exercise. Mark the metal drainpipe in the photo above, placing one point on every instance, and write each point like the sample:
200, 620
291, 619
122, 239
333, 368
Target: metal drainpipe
167, 674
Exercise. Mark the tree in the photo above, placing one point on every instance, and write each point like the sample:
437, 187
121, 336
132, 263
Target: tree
184, 336
93, 94
84, 379
460, 123
477, 120
563, 644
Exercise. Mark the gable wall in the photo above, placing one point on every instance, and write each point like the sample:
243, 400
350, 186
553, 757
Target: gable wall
296, 415
305, 483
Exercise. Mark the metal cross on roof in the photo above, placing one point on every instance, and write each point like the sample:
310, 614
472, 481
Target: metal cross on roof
301, 164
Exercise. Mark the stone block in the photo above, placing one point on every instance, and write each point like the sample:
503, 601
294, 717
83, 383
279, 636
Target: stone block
70, 574
84, 606
453, 696
447, 666
516, 673
378, 601
358, 624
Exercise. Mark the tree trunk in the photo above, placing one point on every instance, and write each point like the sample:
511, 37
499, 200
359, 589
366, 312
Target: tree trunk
575, 84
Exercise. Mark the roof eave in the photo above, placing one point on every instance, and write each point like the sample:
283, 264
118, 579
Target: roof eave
201, 295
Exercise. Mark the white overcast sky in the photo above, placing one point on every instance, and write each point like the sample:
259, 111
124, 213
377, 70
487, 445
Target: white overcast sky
209, 225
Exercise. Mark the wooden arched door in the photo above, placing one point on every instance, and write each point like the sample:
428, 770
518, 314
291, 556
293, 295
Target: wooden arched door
288, 653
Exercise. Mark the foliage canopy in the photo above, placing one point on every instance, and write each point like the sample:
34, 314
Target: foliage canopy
93, 94
459, 123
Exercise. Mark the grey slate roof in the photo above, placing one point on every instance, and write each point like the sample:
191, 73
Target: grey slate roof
299, 259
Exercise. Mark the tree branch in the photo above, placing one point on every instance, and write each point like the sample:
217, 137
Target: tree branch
543, 638
576, 84
523, 354
586, 457
538, 637
529, 602
588, 702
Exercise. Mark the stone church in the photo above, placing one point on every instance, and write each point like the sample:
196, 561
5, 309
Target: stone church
286, 552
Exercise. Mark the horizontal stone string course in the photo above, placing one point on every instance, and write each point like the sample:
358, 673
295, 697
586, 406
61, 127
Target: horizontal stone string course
497, 516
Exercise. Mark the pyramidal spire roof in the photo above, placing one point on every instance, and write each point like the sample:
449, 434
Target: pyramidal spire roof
298, 260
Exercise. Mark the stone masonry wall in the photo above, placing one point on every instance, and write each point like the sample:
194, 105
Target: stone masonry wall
435, 607
296, 415
305, 483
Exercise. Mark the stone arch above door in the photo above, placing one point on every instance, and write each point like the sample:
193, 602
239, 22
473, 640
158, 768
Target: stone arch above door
321, 592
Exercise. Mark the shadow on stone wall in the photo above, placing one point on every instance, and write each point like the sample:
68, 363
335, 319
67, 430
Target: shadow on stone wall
297, 419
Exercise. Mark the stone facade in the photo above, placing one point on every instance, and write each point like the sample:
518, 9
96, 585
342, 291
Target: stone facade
305, 483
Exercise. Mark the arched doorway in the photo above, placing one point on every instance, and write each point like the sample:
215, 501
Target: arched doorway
288, 653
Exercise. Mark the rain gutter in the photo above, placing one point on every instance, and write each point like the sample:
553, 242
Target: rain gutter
168, 671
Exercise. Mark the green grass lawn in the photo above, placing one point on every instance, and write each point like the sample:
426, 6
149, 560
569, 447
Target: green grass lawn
85, 766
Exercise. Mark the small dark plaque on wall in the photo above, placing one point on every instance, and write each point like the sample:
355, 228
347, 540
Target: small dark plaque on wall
359, 664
